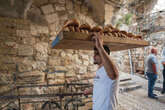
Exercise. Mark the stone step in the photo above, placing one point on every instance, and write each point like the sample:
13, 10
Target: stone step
126, 83
128, 88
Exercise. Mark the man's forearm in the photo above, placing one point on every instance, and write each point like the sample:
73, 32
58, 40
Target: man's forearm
108, 64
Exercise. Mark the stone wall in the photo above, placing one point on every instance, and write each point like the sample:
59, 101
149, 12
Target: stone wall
25, 53
25, 50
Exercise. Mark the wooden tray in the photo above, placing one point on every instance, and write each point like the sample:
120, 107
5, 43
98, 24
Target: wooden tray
77, 40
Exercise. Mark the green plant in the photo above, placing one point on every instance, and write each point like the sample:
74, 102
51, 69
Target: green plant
126, 19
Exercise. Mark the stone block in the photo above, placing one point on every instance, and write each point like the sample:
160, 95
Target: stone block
47, 9
86, 63
60, 7
53, 1
10, 44
6, 59
25, 50
92, 68
61, 1
84, 10
8, 67
54, 61
83, 70
31, 77
28, 41
77, 8
8, 51
57, 81
41, 51
84, 57
42, 29
61, 68
55, 27
62, 54
23, 33
25, 65
33, 30
52, 18
69, 5
39, 65
40, 2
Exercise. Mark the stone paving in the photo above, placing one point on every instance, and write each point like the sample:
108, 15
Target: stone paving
138, 100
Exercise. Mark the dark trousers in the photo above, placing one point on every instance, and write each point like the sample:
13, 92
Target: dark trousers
163, 80
151, 82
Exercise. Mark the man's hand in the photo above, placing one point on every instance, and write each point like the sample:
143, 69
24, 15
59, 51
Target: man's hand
87, 91
97, 38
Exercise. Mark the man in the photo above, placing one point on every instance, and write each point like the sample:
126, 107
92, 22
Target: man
163, 63
152, 71
106, 79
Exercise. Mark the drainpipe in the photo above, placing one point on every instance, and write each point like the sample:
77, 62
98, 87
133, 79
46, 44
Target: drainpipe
130, 61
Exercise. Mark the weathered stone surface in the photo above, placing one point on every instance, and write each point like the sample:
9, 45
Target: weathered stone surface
28, 41
42, 29
47, 9
83, 70
62, 54
62, 68
60, 7
35, 16
22, 33
6, 59
33, 31
8, 51
40, 2
92, 68
39, 65
86, 63
108, 13
84, 57
91, 60
25, 50
55, 27
31, 77
41, 51
77, 8
61, 1
25, 65
52, 18
54, 61
8, 67
84, 10
69, 5
78, 61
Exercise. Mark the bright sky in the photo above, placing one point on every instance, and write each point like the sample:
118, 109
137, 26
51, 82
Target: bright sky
159, 6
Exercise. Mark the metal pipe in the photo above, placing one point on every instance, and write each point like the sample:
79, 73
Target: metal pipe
130, 61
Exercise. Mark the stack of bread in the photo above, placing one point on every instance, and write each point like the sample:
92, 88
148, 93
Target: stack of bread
107, 31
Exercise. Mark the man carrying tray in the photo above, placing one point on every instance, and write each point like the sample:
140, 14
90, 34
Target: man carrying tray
105, 87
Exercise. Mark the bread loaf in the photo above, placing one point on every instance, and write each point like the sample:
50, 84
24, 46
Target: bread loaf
85, 28
138, 37
72, 24
96, 29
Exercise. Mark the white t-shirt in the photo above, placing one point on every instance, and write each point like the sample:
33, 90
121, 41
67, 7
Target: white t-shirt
104, 91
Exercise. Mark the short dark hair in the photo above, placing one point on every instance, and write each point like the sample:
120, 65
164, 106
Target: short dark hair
106, 48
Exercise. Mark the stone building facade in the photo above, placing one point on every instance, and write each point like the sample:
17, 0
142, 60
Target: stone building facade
25, 48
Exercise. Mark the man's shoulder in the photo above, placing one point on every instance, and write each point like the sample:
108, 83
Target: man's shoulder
151, 56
